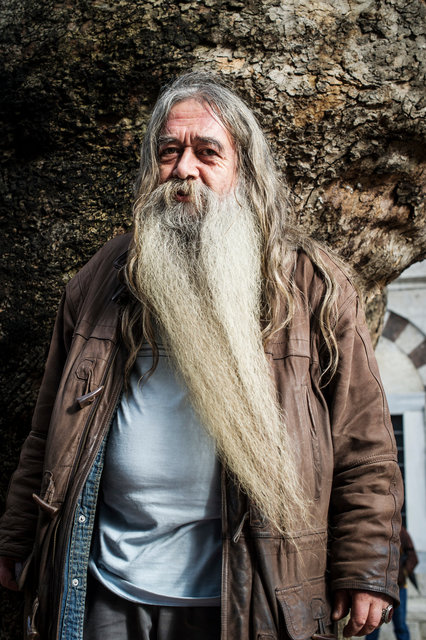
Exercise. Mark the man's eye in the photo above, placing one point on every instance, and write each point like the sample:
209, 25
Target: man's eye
208, 152
168, 151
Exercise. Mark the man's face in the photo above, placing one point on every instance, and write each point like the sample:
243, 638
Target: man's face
194, 145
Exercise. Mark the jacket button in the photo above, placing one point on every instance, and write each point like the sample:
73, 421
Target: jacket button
81, 519
74, 582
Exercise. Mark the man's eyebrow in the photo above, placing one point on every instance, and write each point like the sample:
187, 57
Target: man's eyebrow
167, 140
213, 142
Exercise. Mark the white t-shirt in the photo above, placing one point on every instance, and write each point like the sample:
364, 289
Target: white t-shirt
158, 539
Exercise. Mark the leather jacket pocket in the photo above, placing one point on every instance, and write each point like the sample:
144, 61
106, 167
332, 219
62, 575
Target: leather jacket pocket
305, 609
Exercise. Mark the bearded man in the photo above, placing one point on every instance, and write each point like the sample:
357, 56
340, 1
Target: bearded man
211, 453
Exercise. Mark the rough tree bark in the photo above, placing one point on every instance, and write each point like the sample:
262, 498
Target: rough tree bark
337, 85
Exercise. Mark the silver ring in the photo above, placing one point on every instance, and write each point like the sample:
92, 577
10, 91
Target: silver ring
387, 614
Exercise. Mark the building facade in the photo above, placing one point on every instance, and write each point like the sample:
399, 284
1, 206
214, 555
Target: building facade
401, 354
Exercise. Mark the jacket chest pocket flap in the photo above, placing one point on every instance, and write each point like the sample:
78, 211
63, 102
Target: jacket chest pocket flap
305, 609
89, 371
86, 372
287, 347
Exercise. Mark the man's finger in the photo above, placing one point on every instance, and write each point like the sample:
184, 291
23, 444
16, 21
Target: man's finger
341, 605
374, 617
360, 609
359, 615
366, 613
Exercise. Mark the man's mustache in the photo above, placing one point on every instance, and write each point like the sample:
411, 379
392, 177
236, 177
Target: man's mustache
176, 187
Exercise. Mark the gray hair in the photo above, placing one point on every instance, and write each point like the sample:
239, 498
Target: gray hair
267, 194
256, 167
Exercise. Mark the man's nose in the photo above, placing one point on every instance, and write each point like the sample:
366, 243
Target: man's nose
186, 165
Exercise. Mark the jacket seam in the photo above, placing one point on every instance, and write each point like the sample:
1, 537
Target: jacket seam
346, 304
38, 434
376, 379
69, 299
348, 583
391, 457
392, 527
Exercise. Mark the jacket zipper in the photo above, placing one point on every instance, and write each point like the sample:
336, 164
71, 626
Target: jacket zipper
78, 488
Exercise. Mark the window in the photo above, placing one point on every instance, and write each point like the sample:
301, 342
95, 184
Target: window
398, 428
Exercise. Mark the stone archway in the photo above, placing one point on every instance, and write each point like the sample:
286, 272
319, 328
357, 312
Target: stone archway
409, 339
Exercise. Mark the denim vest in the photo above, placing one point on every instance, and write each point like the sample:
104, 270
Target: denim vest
75, 573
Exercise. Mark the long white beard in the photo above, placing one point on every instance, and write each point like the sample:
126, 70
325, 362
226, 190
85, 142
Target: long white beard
198, 266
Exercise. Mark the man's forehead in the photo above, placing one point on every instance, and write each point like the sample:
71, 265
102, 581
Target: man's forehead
197, 119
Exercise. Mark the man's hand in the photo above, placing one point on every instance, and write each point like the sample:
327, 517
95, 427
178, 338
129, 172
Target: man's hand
366, 610
7, 573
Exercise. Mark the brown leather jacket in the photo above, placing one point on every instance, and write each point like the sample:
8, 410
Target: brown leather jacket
342, 433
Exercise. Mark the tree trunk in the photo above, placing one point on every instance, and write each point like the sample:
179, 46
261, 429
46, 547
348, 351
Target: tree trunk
337, 86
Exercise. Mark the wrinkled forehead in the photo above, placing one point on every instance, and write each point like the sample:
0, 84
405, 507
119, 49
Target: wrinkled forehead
195, 115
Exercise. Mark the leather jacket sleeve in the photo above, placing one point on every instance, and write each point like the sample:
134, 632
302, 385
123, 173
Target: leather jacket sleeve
18, 524
367, 488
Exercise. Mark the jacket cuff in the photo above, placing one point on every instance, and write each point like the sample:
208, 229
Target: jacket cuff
364, 585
